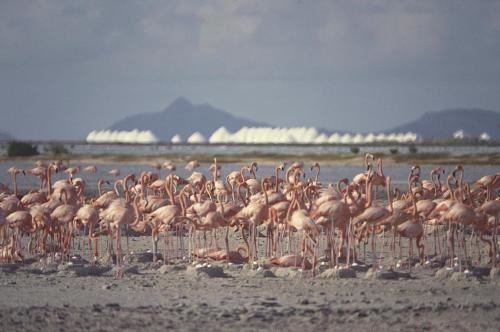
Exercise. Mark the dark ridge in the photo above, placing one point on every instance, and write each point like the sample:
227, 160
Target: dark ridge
442, 124
184, 118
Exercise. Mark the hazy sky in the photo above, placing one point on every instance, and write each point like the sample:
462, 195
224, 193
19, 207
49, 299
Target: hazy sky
68, 67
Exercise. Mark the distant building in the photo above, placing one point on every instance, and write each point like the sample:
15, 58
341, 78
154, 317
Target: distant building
459, 134
122, 136
176, 139
301, 135
196, 138
484, 137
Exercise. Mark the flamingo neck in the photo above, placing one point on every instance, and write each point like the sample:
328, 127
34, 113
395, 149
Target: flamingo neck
290, 207
440, 186
64, 192
368, 161
287, 174
216, 173
368, 190
168, 189
99, 187
253, 166
450, 188
14, 183
263, 188
49, 180
208, 188
81, 193
277, 179
389, 196
414, 201
241, 196
117, 182
339, 189
242, 173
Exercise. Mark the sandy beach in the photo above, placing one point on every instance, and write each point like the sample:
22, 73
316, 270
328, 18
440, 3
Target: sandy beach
215, 296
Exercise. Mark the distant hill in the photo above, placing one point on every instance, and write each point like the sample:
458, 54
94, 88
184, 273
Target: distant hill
442, 124
184, 118
4, 136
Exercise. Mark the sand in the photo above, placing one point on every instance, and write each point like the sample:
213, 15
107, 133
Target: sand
76, 296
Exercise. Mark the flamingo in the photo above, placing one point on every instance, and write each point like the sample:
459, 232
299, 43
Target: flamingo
88, 216
114, 172
372, 215
192, 165
329, 212
72, 171
9, 204
120, 212
250, 216
492, 208
412, 228
292, 260
14, 171
106, 198
39, 172
21, 222
91, 169
300, 220
291, 204
170, 165
62, 218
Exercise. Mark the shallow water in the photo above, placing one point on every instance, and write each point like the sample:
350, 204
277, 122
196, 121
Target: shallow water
329, 174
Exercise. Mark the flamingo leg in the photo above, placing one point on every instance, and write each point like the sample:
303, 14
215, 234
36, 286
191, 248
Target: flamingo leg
126, 235
154, 239
246, 244
410, 253
226, 242
495, 250
165, 248
83, 240
119, 260
348, 243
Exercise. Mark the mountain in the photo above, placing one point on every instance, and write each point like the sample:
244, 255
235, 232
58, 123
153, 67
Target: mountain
442, 124
184, 118
4, 136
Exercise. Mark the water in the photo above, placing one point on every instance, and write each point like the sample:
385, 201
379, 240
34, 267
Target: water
329, 174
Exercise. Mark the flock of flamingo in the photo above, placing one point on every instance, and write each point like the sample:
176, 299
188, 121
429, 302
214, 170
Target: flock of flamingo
285, 219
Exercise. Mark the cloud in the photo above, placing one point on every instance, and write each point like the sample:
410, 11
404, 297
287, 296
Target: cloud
251, 39
318, 60
357, 37
225, 24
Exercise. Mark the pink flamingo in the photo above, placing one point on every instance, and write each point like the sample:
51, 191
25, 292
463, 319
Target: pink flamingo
372, 215
88, 216
114, 172
13, 173
192, 165
91, 169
